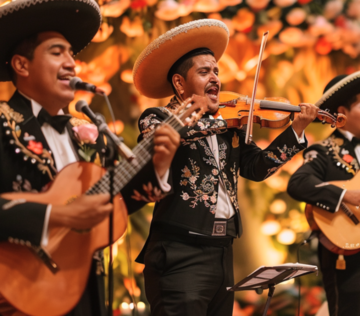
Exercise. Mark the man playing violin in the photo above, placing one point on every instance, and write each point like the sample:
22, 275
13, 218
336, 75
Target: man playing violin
188, 254
335, 158
37, 141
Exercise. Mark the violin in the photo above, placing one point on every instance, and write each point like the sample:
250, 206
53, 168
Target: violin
275, 112
238, 109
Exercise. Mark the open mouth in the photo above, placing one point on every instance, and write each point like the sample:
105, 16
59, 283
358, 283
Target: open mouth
65, 78
213, 92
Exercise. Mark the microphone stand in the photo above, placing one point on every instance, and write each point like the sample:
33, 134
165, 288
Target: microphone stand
123, 150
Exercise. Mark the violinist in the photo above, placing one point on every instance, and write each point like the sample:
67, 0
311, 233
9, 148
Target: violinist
188, 255
335, 158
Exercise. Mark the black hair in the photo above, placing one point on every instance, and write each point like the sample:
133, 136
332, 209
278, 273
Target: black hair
349, 101
184, 63
25, 48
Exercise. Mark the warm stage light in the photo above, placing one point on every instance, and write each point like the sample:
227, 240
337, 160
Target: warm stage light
286, 237
270, 227
278, 207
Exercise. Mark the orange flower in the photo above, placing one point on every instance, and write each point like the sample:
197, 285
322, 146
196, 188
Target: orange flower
348, 158
35, 147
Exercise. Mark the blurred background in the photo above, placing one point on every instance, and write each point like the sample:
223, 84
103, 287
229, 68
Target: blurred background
310, 42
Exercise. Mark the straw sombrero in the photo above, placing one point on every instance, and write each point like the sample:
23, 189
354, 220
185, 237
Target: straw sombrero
338, 90
153, 64
77, 20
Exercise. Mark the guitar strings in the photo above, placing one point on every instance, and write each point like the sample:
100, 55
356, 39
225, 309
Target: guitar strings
125, 171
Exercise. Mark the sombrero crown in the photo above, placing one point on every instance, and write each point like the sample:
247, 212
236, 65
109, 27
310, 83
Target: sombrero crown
77, 20
339, 90
152, 66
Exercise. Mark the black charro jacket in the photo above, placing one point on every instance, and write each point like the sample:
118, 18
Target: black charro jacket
27, 164
195, 173
329, 160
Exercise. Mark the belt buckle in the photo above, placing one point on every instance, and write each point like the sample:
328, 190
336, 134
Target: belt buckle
219, 228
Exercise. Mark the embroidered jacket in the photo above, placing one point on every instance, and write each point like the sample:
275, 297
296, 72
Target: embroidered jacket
27, 164
196, 175
329, 160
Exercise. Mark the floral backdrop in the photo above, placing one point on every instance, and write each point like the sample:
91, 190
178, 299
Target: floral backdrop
310, 42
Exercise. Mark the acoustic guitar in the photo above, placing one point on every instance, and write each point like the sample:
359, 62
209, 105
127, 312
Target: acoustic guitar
50, 281
338, 232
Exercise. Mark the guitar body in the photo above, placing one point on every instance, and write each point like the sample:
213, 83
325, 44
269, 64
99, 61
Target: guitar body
338, 233
26, 282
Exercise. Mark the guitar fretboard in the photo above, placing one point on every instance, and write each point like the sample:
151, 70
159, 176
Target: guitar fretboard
125, 170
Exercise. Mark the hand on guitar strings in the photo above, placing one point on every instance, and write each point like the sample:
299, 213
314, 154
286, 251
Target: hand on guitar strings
83, 213
166, 142
352, 197
307, 115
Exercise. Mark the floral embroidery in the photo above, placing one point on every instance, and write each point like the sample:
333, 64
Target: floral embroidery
285, 154
235, 140
340, 155
35, 147
204, 192
148, 124
272, 171
193, 146
348, 158
45, 162
310, 156
153, 194
22, 185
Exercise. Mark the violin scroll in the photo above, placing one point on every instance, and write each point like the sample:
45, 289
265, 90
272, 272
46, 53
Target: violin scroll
336, 120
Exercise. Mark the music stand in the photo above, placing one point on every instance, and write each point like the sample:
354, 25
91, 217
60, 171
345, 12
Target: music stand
267, 277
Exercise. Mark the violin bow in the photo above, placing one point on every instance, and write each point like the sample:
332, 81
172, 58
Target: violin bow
250, 123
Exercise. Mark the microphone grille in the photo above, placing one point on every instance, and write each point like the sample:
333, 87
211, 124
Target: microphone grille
80, 105
74, 81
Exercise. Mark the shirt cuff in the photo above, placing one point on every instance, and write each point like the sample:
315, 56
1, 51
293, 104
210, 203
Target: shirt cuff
340, 200
45, 233
301, 139
164, 185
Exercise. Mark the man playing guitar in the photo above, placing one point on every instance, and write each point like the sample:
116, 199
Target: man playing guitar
39, 60
335, 158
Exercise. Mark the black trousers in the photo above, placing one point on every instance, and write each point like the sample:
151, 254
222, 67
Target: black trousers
188, 279
92, 302
342, 287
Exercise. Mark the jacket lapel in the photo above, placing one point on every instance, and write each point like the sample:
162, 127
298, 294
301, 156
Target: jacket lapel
29, 134
345, 154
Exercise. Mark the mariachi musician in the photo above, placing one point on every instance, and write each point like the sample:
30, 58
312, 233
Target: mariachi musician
38, 40
335, 158
188, 254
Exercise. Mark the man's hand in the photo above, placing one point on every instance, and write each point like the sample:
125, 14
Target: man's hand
84, 213
305, 117
166, 142
352, 197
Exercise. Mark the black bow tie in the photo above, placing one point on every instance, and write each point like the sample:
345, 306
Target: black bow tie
58, 122
355, 141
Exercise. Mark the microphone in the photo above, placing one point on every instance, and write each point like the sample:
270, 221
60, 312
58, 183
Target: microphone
77, 84
82, 106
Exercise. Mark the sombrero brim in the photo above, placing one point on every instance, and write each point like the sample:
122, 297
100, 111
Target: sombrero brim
153, 64
77, 20
340, 92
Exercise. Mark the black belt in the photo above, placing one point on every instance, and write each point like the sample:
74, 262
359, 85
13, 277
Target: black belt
161, 231
224, 227
192, 239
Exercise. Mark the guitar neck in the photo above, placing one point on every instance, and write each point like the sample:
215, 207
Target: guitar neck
126, 170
